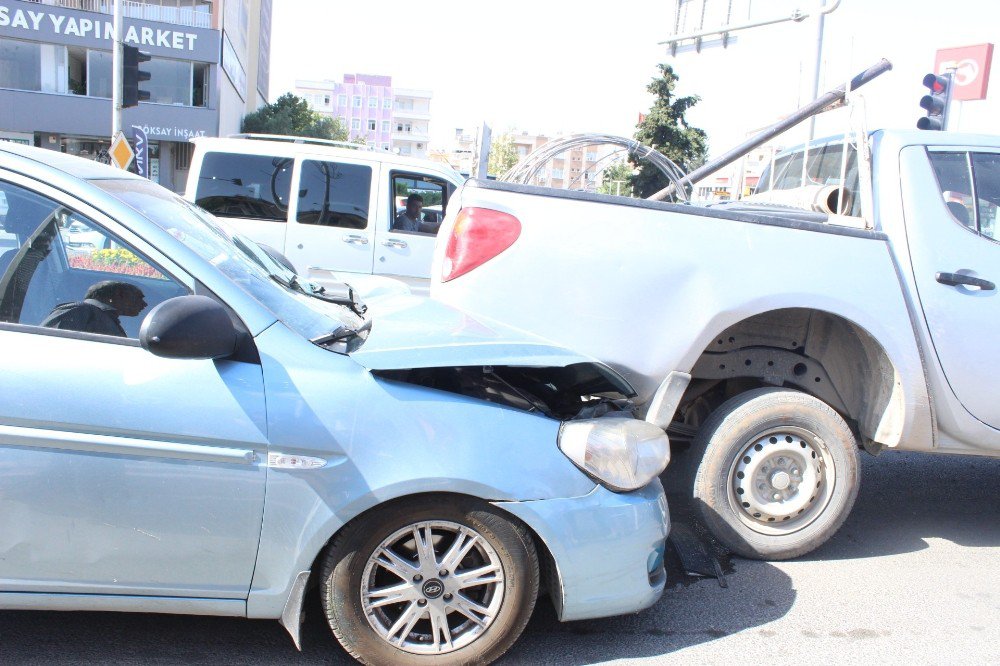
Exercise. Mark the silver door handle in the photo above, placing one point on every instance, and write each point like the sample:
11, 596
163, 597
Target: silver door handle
355, 239
394, 243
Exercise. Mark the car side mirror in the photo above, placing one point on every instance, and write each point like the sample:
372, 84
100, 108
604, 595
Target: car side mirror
190, 327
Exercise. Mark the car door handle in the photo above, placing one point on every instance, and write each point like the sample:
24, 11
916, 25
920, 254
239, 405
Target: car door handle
394, 243
355, 239
955, 279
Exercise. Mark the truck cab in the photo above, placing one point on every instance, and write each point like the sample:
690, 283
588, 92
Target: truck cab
343, 217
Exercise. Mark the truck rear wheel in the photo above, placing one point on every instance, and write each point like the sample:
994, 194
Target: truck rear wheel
777, 473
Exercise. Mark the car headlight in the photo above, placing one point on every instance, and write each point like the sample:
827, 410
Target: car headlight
621, 453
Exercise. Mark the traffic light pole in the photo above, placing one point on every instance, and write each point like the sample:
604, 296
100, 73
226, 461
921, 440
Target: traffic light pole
116, 74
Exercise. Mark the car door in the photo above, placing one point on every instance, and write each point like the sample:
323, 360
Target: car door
250, 191
121, 473
951, 216
330, 230
401, 250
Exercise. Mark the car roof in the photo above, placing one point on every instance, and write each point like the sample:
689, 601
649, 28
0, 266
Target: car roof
77, 167
295, 146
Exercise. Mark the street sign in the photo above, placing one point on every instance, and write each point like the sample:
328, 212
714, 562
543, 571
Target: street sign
141, 151
121, 153
972, 69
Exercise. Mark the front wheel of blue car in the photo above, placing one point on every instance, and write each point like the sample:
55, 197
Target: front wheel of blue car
430, 580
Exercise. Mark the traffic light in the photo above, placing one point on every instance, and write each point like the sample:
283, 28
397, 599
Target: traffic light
132, 76
936, 104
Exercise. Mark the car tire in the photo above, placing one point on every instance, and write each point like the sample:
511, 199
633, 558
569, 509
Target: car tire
776, 473
380, 617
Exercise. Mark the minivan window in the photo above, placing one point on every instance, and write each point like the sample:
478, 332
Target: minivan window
334, 195
247, 186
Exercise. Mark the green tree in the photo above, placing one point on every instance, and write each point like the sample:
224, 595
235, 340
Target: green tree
665, 129
617, 179
503, 154
290, 115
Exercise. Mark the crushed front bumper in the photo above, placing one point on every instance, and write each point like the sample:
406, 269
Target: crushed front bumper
607, 548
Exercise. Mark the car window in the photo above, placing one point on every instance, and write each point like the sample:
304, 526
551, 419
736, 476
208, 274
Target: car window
248, 186
954, 177
61, 270
334, 195
986, 171
419, 203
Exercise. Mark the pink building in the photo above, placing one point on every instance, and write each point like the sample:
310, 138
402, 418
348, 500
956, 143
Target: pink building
371, 109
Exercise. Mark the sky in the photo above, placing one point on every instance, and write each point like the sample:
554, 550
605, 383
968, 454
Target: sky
559, 67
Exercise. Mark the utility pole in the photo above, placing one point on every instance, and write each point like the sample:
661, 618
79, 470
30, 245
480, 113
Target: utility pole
116, 74
818, 64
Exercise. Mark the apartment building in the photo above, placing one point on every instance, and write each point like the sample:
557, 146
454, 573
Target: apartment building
371, 109
209, 68
576, 169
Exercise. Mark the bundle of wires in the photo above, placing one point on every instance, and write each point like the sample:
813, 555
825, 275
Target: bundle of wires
532, 164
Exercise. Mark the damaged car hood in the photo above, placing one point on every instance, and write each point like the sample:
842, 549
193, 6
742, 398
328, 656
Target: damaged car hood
414, 332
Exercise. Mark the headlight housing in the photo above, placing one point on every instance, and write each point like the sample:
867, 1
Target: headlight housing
623, 454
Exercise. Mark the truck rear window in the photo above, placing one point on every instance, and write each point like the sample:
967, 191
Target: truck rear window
247, 186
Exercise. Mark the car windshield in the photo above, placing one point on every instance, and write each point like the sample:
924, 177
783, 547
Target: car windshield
311, 314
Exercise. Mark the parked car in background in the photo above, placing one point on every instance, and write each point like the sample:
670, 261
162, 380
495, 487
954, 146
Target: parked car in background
249, 434
773, 341
341, 218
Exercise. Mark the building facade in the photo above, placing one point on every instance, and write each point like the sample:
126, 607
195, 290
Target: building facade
575, 169
372, 110
209, 67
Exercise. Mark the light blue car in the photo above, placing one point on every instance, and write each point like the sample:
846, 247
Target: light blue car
186, 427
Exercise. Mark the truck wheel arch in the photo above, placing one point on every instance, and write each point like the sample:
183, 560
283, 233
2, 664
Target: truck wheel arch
820, 353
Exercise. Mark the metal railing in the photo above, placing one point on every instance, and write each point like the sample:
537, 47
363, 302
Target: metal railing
140, 10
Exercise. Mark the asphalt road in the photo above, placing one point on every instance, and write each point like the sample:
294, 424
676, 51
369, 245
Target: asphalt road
913, 576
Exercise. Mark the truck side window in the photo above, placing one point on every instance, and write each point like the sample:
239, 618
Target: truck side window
334, 195
419, 203
986, 172
955, 181
248, 186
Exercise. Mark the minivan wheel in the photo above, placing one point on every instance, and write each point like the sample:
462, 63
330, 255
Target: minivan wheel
778, 473
443, 581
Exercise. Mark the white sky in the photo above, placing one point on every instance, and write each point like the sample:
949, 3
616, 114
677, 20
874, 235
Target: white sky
550, 67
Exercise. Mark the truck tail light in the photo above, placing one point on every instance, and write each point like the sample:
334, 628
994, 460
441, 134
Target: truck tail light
479, 235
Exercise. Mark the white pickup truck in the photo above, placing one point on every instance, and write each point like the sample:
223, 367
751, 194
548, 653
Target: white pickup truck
773, 344
332, 209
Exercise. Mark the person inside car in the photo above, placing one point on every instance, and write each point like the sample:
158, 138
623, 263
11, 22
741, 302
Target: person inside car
100, 310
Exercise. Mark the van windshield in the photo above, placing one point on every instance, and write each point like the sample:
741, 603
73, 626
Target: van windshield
311, 317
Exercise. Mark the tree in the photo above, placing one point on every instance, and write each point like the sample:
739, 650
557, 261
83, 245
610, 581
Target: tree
665, 129
290, 115
503, 154
617, 179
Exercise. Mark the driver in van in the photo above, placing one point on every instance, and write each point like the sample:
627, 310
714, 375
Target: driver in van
410, 219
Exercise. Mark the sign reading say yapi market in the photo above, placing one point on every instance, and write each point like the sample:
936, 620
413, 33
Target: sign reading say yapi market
48, 23
972, 69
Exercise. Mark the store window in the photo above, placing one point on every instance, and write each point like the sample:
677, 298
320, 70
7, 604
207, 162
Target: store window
176, 82
20, 65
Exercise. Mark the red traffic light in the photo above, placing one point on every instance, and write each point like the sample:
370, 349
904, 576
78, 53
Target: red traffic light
937, 83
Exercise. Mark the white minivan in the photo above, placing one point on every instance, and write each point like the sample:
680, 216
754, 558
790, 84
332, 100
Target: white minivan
343, 217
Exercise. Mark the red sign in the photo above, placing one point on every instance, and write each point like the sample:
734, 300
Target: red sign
972, 69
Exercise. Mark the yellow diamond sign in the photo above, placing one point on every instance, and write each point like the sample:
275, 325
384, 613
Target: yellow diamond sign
121, 153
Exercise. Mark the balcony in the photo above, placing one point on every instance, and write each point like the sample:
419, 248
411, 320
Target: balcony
200, 17
423, 137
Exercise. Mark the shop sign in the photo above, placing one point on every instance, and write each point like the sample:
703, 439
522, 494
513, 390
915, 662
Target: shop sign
27, 20
170, 133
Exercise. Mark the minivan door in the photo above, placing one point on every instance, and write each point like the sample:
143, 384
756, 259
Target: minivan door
330, 230
951, 203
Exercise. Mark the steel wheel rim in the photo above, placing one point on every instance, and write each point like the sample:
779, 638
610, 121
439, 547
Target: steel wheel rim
432, 587
782, 481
